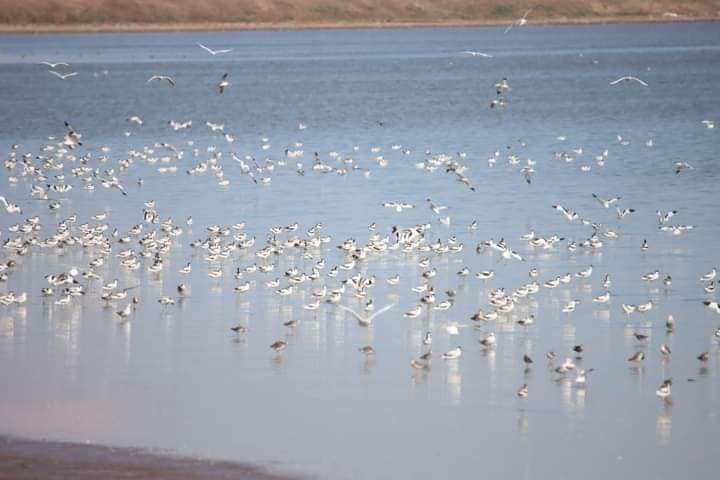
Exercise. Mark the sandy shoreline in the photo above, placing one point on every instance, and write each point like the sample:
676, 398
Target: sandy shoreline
220, 27
26, 459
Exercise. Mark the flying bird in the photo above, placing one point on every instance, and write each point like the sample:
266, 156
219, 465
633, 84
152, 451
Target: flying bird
519, 22
628, 78
473, 53
223, 83
162, 77
55, 65
61, 76
214, 52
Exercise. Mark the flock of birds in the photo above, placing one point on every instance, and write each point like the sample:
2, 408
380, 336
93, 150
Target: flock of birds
334, 272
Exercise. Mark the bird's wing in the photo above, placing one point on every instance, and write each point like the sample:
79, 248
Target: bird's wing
639, 81
382, 310
57, 74
68, 75
224, 51
169, 79
509, 27
528, 12
209, 50
615, 82
353, 313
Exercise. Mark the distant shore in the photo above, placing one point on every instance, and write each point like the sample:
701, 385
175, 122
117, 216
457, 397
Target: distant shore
36, 460
29, 29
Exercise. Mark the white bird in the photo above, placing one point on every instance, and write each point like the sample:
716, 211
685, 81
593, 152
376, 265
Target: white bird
363, 320
628, 78
214, 52
453, 354
162, 77
519, 22
473, 53
63, 76
710, 276
10, 207
55, 65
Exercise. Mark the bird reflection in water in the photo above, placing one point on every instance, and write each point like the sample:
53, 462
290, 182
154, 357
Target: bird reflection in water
663, 428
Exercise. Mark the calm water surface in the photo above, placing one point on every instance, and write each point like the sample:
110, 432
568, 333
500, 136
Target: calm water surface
177, 379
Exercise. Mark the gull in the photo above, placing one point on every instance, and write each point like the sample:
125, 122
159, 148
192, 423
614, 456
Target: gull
435, 208
474, 53
622, 213
135, 119
569, 214
519, 22
10, 207
664, 217
55, 65
223, 83
708, 123
398, 206
608, 202
162, 77
214, 52
628, 78
366, 320
453, 354
63, 76
680, 166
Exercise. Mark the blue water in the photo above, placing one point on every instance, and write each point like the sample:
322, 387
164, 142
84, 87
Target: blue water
175, 378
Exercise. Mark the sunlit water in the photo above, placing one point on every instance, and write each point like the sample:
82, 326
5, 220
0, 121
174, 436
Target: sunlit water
176, 378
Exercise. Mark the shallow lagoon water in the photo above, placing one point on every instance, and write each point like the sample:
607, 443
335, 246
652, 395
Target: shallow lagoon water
175, 378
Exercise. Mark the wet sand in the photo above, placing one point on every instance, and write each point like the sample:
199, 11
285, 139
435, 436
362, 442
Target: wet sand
25, 459
227, 26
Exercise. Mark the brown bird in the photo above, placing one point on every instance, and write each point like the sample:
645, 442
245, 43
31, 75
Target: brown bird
279, 346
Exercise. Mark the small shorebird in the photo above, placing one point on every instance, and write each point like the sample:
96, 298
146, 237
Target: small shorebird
523, 392
367, 350
279, 346
663, 390
637, 357
453, 354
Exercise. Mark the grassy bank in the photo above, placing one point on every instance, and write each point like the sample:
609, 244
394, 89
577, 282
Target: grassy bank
163, 15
